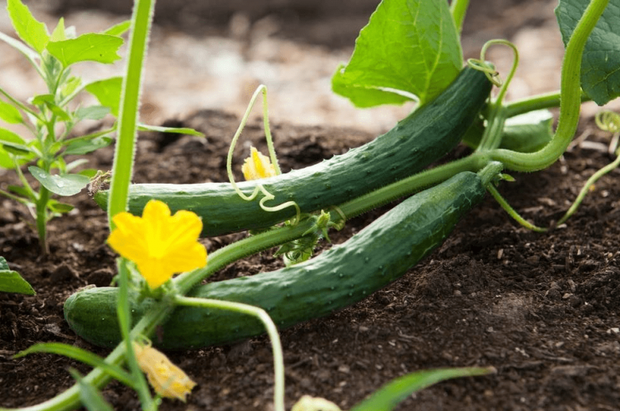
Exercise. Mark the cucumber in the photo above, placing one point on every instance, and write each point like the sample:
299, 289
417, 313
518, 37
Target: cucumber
423, 137
337, 278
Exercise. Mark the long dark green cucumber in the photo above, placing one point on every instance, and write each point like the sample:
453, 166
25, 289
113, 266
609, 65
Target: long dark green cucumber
423, 137
339, 277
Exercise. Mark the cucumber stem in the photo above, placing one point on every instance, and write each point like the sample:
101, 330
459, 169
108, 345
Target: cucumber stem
538, 102
570, 97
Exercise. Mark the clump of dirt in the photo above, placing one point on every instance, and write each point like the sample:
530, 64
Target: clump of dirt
540, 308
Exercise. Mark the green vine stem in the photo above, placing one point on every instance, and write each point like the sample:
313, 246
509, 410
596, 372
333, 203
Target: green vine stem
538, 102
511, 211
123, 170
584, 191
570, 97
608, 121
492, 135
272, 332
129, 105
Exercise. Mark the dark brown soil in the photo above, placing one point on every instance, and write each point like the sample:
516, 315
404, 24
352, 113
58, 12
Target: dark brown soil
540, 308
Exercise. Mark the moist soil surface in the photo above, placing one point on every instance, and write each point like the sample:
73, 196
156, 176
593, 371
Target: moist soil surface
542, 309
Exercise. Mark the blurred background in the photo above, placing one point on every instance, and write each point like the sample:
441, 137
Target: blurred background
214, 53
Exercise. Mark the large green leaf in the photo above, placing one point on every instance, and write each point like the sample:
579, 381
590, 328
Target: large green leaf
101, 48
600, 68
12, 282
30, 30
388, 397
409, 50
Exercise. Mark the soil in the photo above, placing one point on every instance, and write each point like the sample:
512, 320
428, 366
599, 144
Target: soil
543, 309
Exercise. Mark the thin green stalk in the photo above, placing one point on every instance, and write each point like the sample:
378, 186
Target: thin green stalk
272, 332
458, 8
410, 185
14, 197
41, 211
584, 191
538, 102
124, 320
570, 97
92, 135
129, 105
492, 136
511, 211
22, 106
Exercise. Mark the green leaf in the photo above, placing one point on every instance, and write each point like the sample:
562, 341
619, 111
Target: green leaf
90, 396
15, 149
70, 86
92, 112
7, 136
58, 207
409, 48
59, 32
63, 185
101, 48
528, 132
81, 147
388, 397
29, 29
10, 113
12, 282
19, 190
5, 159
176, 130
108, 92
4, 266
89, 172
118, 29
79, 354
600, 67
76, 163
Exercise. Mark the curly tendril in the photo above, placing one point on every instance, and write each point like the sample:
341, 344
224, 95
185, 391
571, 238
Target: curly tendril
259, 188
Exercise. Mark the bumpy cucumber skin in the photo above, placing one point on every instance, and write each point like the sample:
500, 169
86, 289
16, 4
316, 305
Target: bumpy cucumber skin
339, 277
423, 137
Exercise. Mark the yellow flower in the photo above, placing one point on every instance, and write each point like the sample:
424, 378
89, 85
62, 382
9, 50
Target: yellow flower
160, 244
167, 379
257, 166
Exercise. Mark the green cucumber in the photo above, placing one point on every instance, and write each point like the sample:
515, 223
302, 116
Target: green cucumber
337, 278
423, 137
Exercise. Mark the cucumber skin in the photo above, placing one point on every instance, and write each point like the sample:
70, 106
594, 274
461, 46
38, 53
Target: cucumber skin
337, 278
423, 137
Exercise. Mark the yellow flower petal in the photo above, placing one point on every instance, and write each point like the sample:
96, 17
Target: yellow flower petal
167, 379
127, 239
257, 166
160, 244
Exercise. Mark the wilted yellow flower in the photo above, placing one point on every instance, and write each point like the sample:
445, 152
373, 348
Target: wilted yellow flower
308, 403
160, 244
167, 379
257, 166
